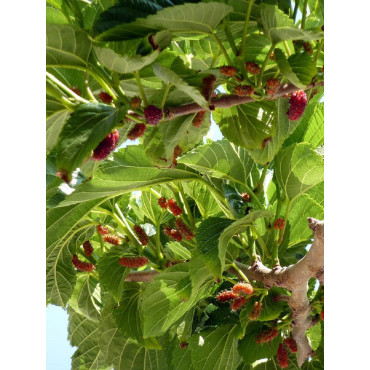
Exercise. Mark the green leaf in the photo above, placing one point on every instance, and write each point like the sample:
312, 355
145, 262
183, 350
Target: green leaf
85, 129
247, 125
299, 69
151, 209
85, 298
208, 234
162, 306
315, 130
130, 170
314, 334
220, 159
123, 63
123, 353
67, 47
55, 16
215, 349
170, 77
235, 228
250, 350
200, 275
111, 274
181, 357
298, 168
177, 252
54, 125
256, 48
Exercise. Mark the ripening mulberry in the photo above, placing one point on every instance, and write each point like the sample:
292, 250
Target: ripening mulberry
227, 295
102, 230
291, 344
137, 131
279, 224
272, 86
112, 239
199, 118
135, 102
252, 68
256, 311
140, 233
82, 266
228, 71
105, 98
267, 336
133, 262
88, 248
322, 315
183, 345
173, 207
106, 146
243, 288
184, 230
173, 233
238, 302
163, 202
246, 197
245, 90
153, 114
308, 47
297, 102
282, 356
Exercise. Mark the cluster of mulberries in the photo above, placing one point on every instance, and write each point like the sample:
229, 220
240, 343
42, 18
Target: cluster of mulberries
173, 233
244, 90
105, 98
102, 230
282, 356
112, 239
137, 131
279, 224
228, 71
88, 248
106, 146
82, 266
272, 86
153, 114
135, 102
199, 118
297, 105
256, 311
173, 207
267, 336
141, 234
252, 68
236, 296
243, 288
133, 261
184, 230
246, 197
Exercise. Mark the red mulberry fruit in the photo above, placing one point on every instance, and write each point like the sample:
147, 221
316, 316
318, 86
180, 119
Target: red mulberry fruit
106, 146
174, 208
245, 90
199, 118
246, 197
228, 71
112, 239
291, 344
88, 248
163, 202
272, 86
135, 102
267, 336
173, 233
252, 68
105, 98
184, 230
102, 230
240, 301
308, 48
140, 233
153, 114
279, 224
183, 345
226, 296
322, 315
133, 262
244, 288
282, 356
137, 131
82, 266
256, 311
298, 102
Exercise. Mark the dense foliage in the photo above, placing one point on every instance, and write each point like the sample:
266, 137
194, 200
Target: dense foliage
149, 243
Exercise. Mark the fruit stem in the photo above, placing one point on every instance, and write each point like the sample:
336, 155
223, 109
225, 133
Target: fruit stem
160, 250
229, 280
87, 88
219, 43
54, 92
245, 30
134, 118
259, 84
261, 241
240, 272
165, 94
141, 89
285, 222
186, 204
259, 185
118, 89
229, 36
304, 14
101, 241
287, 49
318, 51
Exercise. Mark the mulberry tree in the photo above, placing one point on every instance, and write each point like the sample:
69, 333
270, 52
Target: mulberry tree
170, 250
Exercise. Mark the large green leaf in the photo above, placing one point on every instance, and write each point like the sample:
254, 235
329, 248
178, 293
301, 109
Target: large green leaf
123, 353
83, 132
85, 298
176, 251
130, 170
208, 234
66, 46
298, 168
299, 69
247, 125
111, 274
215, 349
163, 304
54, 125
180, 357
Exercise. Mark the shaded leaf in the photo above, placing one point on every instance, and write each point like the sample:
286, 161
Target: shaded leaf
54, 125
